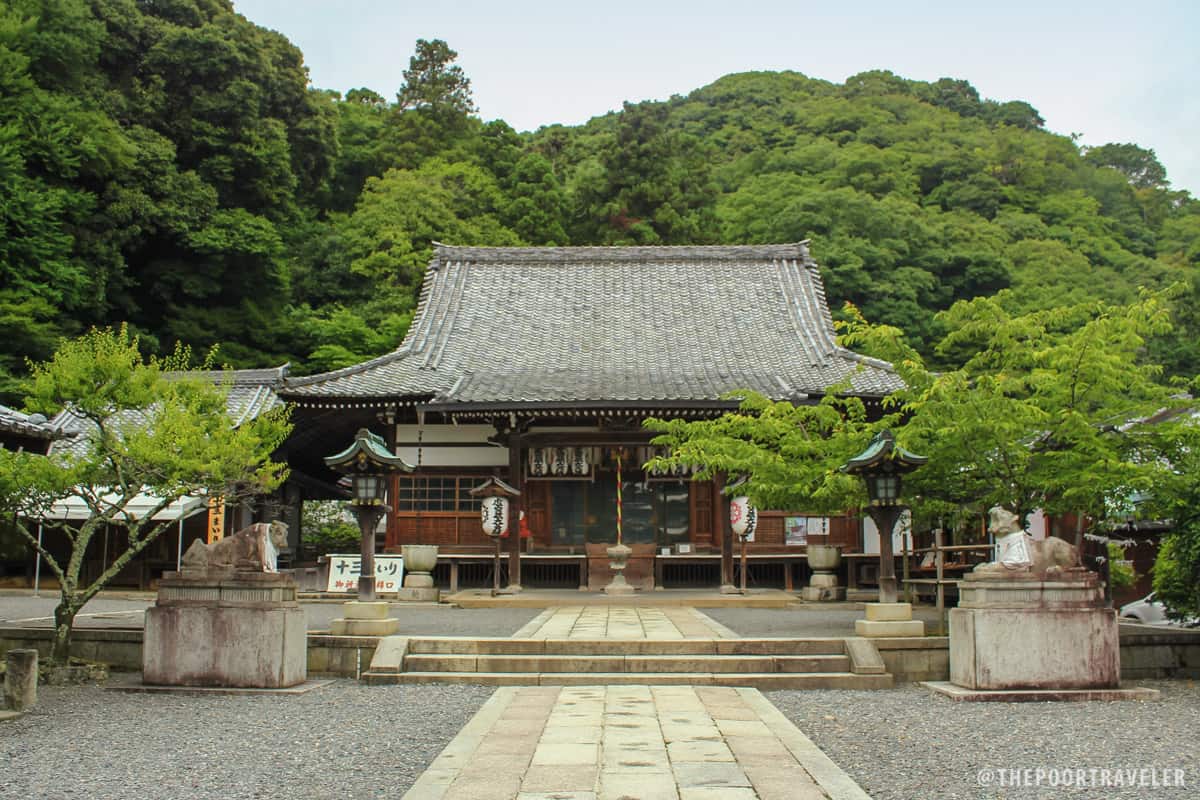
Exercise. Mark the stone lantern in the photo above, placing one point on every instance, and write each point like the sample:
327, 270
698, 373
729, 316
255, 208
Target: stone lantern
881, 466
370, 466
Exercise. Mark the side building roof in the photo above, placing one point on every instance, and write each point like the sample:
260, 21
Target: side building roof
512, 326
251, 393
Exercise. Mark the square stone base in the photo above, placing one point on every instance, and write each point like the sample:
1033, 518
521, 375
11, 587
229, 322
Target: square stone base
364, 627
225, 646
1037, 695
418, 595
876, 629
888, 612
1034, 648
819, 594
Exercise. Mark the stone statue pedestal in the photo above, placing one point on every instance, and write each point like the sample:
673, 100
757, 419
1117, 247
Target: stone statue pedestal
365, 618
221, 628
1023, 632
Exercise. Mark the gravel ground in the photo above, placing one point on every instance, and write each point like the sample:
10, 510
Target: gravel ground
343, 740
907, 744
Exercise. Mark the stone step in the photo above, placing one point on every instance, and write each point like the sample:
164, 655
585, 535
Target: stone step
547, 663
759, 680
624, 647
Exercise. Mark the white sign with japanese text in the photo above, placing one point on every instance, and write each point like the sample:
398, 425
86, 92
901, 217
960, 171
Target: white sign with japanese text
344, 570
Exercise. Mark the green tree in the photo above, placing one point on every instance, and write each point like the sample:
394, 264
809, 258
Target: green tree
433, 83
1038, 414
148, 434
656, 186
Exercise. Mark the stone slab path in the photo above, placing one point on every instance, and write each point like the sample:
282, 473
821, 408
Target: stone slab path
624, 623
632, 742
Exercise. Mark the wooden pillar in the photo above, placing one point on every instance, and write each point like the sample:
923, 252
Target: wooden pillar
723, 530
515, 473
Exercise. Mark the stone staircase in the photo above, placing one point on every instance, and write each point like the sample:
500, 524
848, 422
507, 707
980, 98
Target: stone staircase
831, 663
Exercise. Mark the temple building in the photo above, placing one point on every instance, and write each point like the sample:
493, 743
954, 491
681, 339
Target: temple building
539, 366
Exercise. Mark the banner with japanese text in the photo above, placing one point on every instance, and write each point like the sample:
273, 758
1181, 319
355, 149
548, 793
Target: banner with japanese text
344, 571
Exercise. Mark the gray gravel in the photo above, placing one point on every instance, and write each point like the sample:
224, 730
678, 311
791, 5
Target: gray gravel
341, 741
907, 744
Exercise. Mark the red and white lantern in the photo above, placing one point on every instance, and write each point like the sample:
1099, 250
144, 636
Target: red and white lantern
493, 513
743, 517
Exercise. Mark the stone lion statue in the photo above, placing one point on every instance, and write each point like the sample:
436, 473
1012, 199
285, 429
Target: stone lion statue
253, 549
1020, 555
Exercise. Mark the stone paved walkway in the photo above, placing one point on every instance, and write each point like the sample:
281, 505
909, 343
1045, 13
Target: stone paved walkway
597, 622
632, 742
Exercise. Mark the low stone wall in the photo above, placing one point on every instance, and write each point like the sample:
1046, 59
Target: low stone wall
915, 658
120, 648
1145, 652
339, 656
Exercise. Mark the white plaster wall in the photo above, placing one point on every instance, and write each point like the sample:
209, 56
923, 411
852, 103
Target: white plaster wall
438, 446
870, 534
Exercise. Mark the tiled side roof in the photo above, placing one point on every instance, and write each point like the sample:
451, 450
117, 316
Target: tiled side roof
251, 393
498, 325
21, 424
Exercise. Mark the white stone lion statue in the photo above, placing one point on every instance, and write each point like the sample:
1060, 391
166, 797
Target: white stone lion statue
1020, 555
253, 549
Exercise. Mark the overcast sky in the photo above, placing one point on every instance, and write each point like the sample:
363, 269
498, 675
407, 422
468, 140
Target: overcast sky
1111, 71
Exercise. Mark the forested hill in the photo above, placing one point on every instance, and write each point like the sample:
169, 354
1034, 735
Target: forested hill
166, 164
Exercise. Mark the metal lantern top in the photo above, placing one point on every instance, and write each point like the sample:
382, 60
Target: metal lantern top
881, 465
493, 487
368, 454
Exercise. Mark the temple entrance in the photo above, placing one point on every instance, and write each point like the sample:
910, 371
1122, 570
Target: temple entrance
585, 512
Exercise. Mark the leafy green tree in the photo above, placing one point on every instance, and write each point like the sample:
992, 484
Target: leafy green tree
656, 187
790, 455
147, 433
1038, 414
326, 527
1139, 165
434, 84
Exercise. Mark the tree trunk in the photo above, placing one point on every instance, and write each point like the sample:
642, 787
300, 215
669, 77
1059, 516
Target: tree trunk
64, 621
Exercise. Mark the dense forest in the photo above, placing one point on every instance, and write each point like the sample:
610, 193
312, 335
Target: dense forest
167, 164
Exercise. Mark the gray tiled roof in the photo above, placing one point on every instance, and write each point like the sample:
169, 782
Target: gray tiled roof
34, 426
251, 393
572, 324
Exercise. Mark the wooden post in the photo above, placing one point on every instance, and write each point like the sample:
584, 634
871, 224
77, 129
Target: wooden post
516, 472
906, 548
939, 558
721, 524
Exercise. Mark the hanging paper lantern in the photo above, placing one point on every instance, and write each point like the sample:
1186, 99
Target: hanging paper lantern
560, 461
579, 460
537, 461
743, 517
493, 513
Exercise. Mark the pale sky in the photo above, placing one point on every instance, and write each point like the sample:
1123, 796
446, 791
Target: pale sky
1111, 71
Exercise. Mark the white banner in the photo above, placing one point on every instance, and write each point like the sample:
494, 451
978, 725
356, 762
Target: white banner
344, 570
